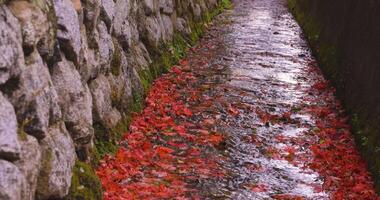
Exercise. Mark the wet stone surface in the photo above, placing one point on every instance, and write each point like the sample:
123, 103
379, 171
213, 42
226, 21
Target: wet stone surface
246, 115
259, 77
263, 62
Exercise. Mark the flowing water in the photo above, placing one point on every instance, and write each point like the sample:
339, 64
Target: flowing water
261, 63
246, 115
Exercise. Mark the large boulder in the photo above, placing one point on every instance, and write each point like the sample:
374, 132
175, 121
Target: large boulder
152, 31
68, 33
11, 53
107, 11
125, 24
9, 145
106, 47
12, 182
182, 26
150, 7
35, 100
29, 163
89, 66
166, 6
101, 95
34, 23
74, 99
58, 159
168, 28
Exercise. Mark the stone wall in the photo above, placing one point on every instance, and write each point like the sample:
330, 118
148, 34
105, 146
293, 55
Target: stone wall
71, 72
345, 35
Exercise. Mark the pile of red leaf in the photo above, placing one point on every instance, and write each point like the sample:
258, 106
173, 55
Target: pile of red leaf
335, 156
164, 152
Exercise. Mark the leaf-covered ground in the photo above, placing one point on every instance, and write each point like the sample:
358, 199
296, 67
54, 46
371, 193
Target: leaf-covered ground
247, 115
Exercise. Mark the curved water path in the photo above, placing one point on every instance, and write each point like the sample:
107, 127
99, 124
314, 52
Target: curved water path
263, 68
246, 115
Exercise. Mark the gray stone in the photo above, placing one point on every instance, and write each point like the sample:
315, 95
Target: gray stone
125, 25
106, 47
12, 182
203, 6
121, 84
121, 26
30, 163
74, 99
212, 4
33, 22
11, 54
182, 26
150, 7
58, 159
9, 145
139, 57
168, 28
91, 10
101, 95
107, 11
35, 100
166, 6
88, 61
68, 33
153, 31
197, 11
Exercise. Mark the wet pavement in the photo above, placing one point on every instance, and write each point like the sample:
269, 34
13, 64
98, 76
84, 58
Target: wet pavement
261, 67
246, 115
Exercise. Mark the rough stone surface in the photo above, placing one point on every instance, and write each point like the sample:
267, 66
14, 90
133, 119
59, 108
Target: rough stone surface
33, 22
106, 47
68, 33
150, 7
153, 31
67, 63
11, 54
35, 100
58, 159
89, 66
166, 6
182, 27
101, 95
30, 163
168, 27
12, 182
74, 99
9, 145
107, 11
124, 30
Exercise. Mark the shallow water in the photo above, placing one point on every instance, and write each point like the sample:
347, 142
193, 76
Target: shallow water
265, 59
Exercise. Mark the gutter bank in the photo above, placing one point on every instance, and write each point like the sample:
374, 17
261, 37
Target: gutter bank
344, 36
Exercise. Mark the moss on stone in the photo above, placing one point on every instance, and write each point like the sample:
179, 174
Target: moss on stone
116, 60
367, 142
85, 185
43, 180
22, 135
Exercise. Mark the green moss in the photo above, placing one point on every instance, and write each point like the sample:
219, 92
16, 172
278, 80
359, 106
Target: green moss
366, 140
43, 180
85, 185
223, 5
22, 135
116, 60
